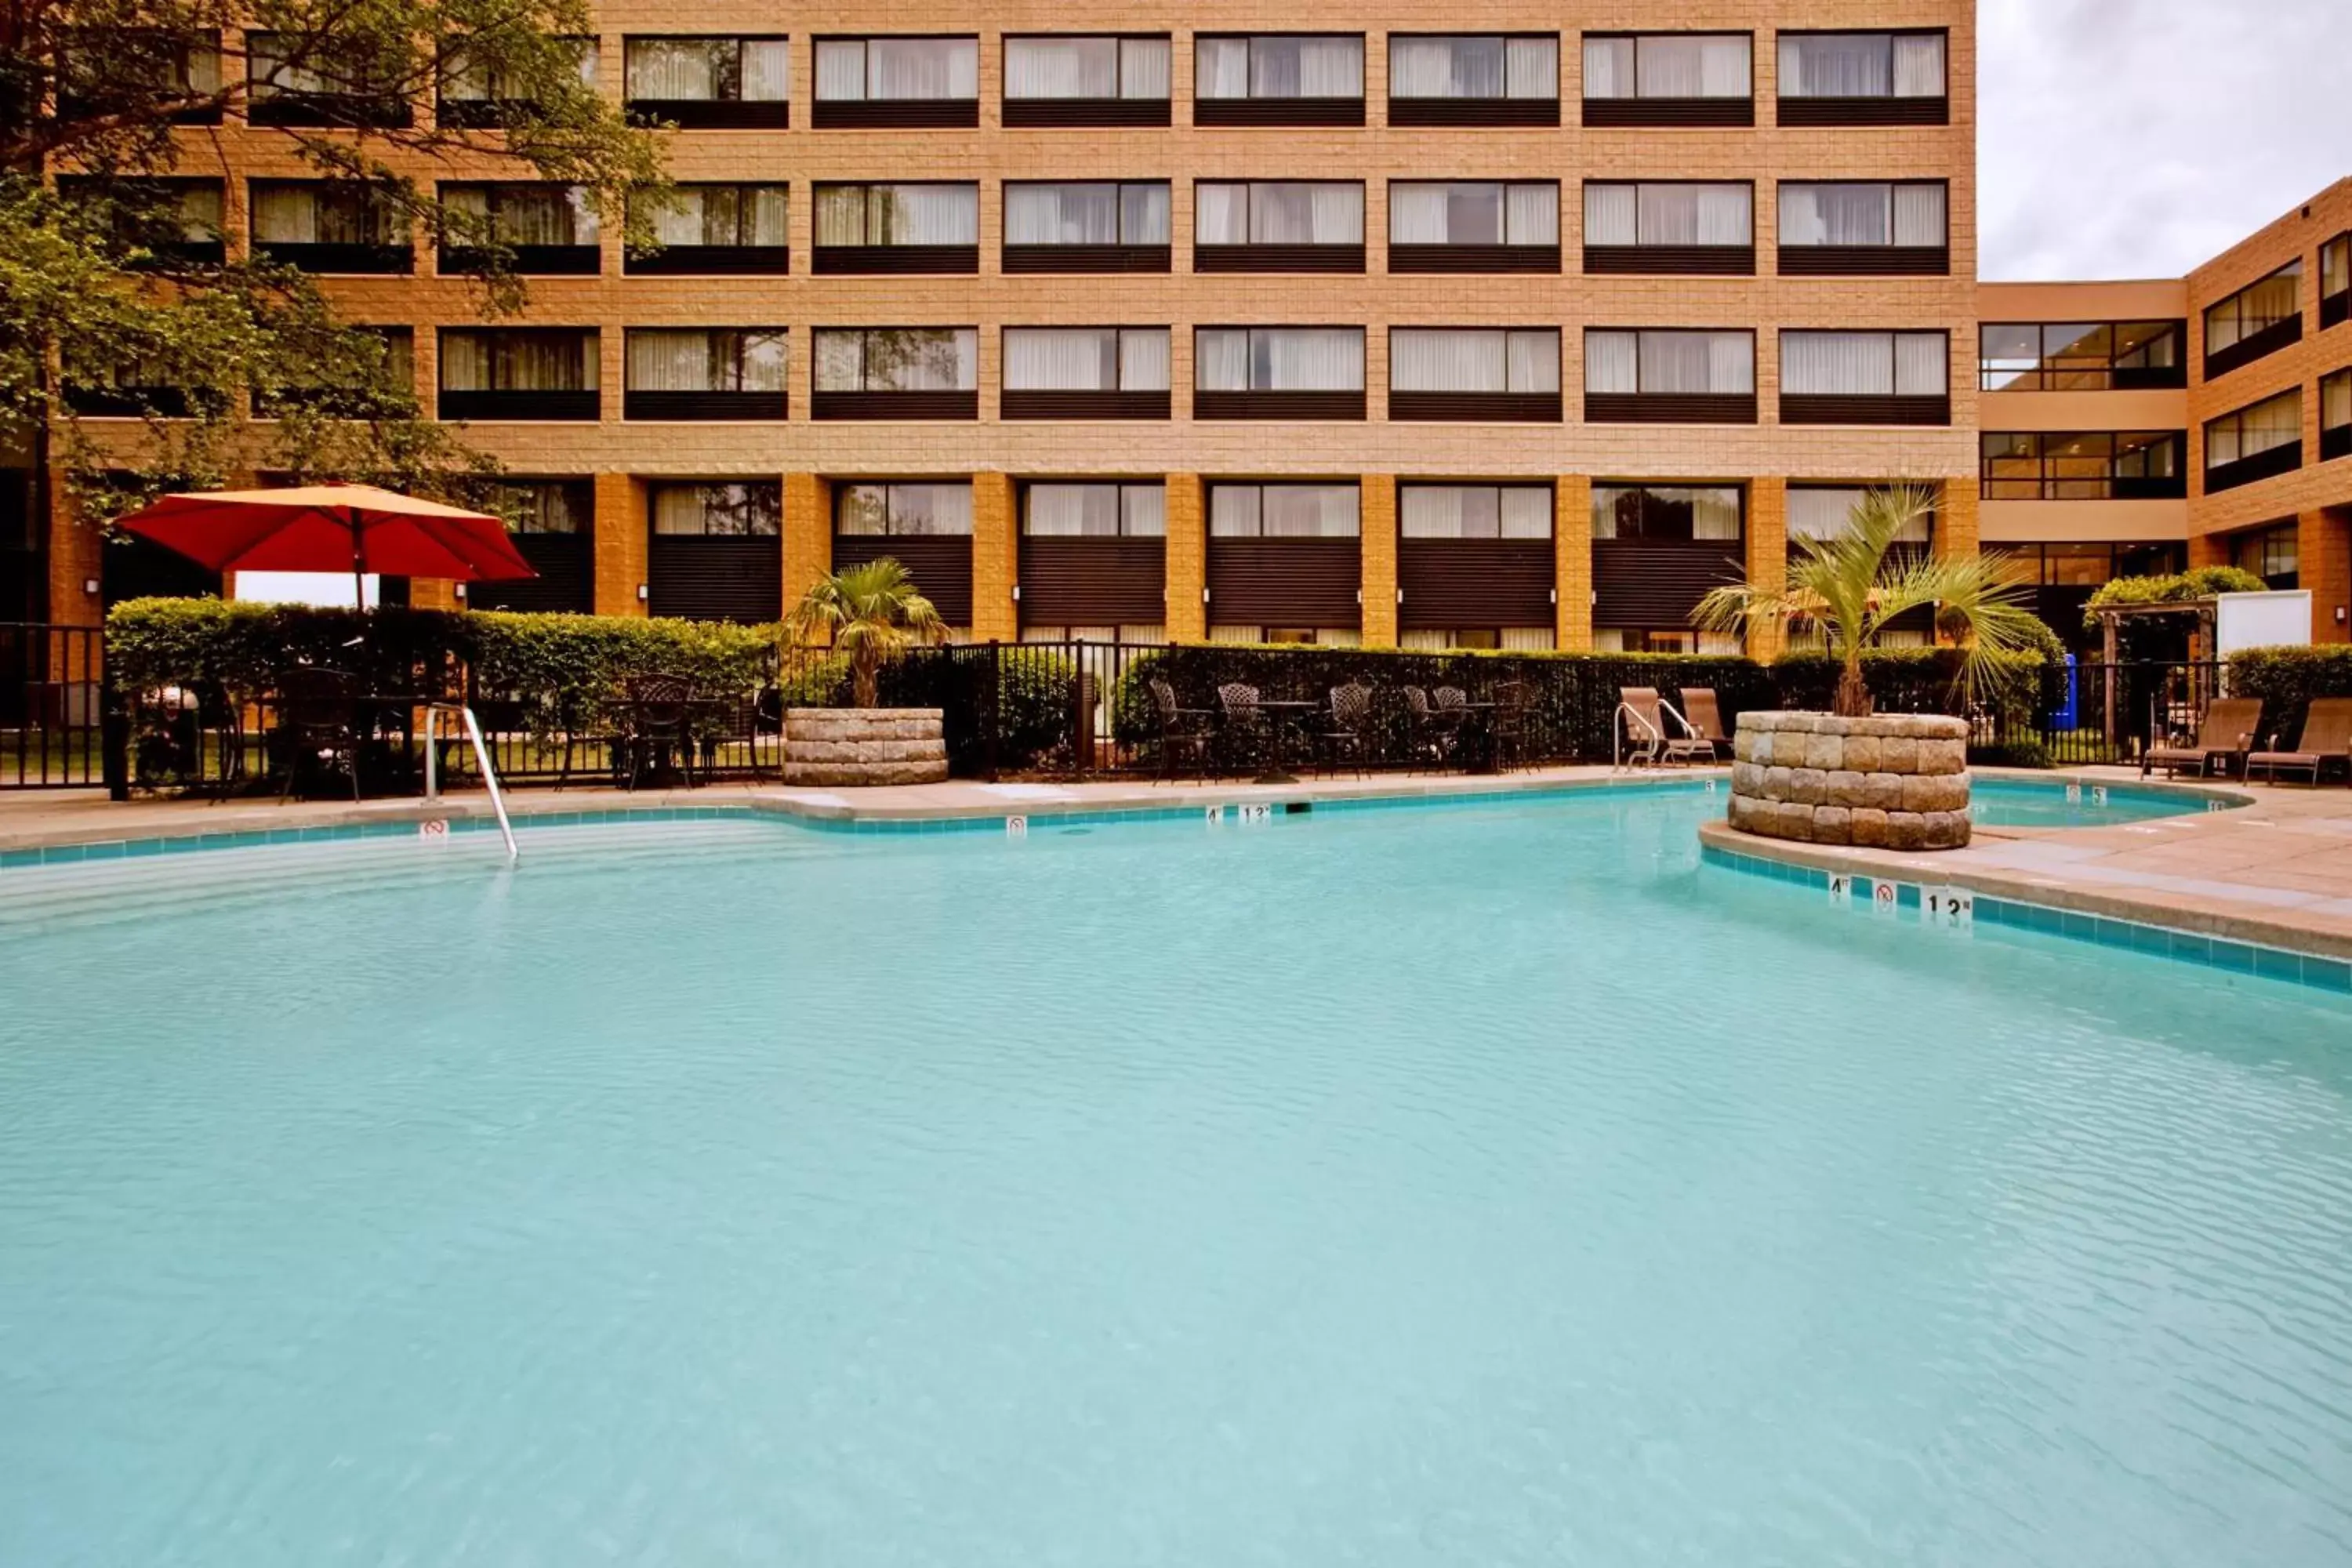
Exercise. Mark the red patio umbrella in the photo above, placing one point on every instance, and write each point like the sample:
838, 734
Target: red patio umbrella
331, 527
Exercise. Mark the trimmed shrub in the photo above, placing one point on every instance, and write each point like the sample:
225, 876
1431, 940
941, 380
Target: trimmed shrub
2287, 678
1926, 680
2178, 588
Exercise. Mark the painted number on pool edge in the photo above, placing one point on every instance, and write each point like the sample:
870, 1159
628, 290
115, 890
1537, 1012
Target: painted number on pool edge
435, 828
1016, 827
1949, 907
1841, 889
2098, 795
1255, 813
2073, 795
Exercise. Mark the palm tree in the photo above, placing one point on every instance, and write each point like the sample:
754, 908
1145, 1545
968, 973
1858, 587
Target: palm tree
1849, 588
869, 613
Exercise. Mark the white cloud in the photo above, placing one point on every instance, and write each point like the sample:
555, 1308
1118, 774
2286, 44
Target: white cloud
2140, 138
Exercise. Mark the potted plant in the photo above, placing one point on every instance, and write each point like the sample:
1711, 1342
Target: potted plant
865, 615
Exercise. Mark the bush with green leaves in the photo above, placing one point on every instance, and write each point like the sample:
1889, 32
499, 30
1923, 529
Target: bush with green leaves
2178, 588
2287, 679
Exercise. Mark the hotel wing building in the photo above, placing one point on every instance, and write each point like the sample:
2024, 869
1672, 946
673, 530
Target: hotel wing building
1466, 325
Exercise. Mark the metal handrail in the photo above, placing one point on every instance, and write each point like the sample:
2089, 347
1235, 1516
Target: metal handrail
1617, 737
433, 711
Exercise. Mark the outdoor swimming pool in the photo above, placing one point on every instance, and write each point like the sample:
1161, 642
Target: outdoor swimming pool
1482, 1185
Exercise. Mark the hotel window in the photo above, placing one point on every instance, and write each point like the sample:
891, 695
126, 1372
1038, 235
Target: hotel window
1865, 378
320, 225
924, 525
1863, 78
1854, 228
172, 221
1822, 512
550, 521
130, 387
1278, 226
1683, 515
1069, 81
716, 550
1286, 511
2336, 282
1474, 226
2257, 442
1093, 561
1492, 78
1087, 226
528, 228
1669, 78
2081, 356
704, 373
1669, 376
898, 228
2259, 320
377, 382
2274, 554
1278, 373
533, 507
749, 509
477, 99
1657, 640
169, 64
1475, 512
1270, 78
2131, 465
1476, 375
708, 84
1680, 227
2335, 416
1085, 373
1475, 565
1094, 510
281, 88
898, 373
717, 231
1657, 551
915, 83
519, 372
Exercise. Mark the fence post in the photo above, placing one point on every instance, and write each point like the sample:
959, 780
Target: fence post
989, 684
114, 732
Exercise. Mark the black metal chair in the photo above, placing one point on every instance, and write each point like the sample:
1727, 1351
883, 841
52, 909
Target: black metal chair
1244, 733
1511, 724
723, 724
655, 713
1349, 739
316, 720
1432, 734
1183, 731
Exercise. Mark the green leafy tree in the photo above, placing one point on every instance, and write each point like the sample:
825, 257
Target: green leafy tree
869, 614
1850, 589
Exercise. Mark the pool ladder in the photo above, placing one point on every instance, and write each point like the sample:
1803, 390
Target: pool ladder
473, 728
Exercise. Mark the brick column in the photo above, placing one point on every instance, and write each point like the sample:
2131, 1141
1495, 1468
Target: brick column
1571, 537
77, 555
619, 542
996, 548
1379, 560
1188, 558
808, 534
1768, 557
2324, 565
2208, 549
432, 593
1956, 518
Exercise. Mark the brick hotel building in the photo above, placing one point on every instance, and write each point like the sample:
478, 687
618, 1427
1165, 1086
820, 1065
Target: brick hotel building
1475, 325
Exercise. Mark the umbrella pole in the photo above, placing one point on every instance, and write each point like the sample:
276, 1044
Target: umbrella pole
359, 572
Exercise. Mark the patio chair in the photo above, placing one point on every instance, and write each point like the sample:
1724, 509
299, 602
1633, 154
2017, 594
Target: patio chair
1430, 735
1349, 739
2228, 731
316, 717
656, 710
1654, 734
719, 725
1183, 732
1510, 721
1704, 716
2326, 738
1244, 732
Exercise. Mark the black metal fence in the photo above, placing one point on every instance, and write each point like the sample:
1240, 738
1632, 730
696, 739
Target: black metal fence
52, 706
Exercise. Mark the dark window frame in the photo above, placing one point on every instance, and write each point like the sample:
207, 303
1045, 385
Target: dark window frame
1455, 259
1320, 406
729, 406
1666, 260
1077, 114
573, 260
1895, 408
1639, 407
2049, 485
737, 261
2249, 468
1891, 259
348, 105
737, 113
2335, 440
1122, 257
2117, 377
394, 257
1249, 110
892, 259
570, 404
958, 404
1411, 406
1894, 109
2263, 341
1472, 113
1284, 256
1638, 111
1064, 403
2336, 309
498, 111
864, 114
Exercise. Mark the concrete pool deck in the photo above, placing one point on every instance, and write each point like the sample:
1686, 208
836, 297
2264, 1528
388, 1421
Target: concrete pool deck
2276, 871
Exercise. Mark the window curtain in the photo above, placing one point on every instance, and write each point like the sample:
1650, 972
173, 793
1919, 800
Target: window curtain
1670, 67
1220, 214
1221, 67
922, 215
1919, 67
1532, 358
1143, 514
1143, 214
1715, 513
1528, 639
1061, 67
1300, 212
1143, 68
1235, 511
1306, 68
1531, 215
1693, 215
1066, 511
1612, 363
1417, 212
350, 216
2335, 268
1608, 68
677, 68
1815, 215
919, 359
861, 511
679, 510
1060, 214
1061, 359
1531, 68
2334, 403
527, 215
673, 362
1450, 512
1919, 215
466, 361
519, 362
1610, 215
284, 215
840, 215
1828, 513
1307, 359
1221, 359
840, 70
931, 509
1311, 511
1446, 68
1847, 365
1427, 360
1922, 365
765, 70
910, 68
1838, 64
1143, 360
1697, 362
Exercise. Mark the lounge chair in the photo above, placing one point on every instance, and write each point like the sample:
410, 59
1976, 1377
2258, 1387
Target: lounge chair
1654, 732
2326, 738
1706, 717
2228, 731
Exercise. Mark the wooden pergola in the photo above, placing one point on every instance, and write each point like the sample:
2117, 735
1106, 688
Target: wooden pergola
2200, 637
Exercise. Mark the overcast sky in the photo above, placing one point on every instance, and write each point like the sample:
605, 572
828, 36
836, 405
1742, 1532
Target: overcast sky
2140, 138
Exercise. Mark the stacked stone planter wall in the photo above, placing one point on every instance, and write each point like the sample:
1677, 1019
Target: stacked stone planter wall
865, 746
1895, 781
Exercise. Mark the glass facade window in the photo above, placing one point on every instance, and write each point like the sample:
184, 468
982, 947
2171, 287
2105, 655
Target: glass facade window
2255, 307
1472, 212
1826, 511
2273, 554
162, 214
283, 66
742, 508
893, 509
2335, 404
2086, 566
1278, 359
898, 359
1278, 212
321, 212
463, 83
1678, 512
860, 215
1668, 64
1105, 510
707, 70
1279, 66
1675, 362
1862, 65
1907, 214
519, 214
1865, 364
543, 506
521, 359
2266, 426
2029, 465
1676, 213
878, 70
703, 359
1086, 359
386, 389
1478, 66
1475, 512
1134, 212
695, 215
1086, 68
1473, 359
1286, 511
2335, 267
185, 63
2079, 356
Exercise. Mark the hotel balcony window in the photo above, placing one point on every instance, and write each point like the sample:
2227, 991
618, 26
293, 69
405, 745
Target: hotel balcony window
898, 373
1669, 78
1085, 373
1865, 378
2335, 416
103, 70
2274, 554
2336, 282
1658, 549
1473, 79
158, 223
1094, 560
519, 372
864, 84
320, 225
550, 523
1087, 226
2081, 356
2131, 465
2256, 321
1268, 79
898, 228
1474, 226
320, 92
708, 84
1278, 226
1278, 373
704, 373
717, 231
1476, 560
1863, 78
1474, 374
1826, 511
1677, 226
543, 229
2257, 442
128, 388
1669, 376
1865, 228
924, 526
476, 98
376, 380
1286, 563
1054, 80
716, 551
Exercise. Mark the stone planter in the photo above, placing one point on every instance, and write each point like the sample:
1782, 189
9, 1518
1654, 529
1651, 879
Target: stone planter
837, 746
1895, 781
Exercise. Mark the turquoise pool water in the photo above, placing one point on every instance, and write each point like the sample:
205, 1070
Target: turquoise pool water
1489, 1185
2001, 803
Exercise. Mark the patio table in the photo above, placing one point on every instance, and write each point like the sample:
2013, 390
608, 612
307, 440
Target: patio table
1280, 716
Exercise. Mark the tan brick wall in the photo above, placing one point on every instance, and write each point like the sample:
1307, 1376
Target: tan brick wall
1380, 558
620, 529
1767, 556
808, 534
76, 557
1188, 558
995, 546
1572, 531
2324, 546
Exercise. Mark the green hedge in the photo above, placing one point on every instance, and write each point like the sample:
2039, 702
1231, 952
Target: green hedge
2178, 588
2287, 678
